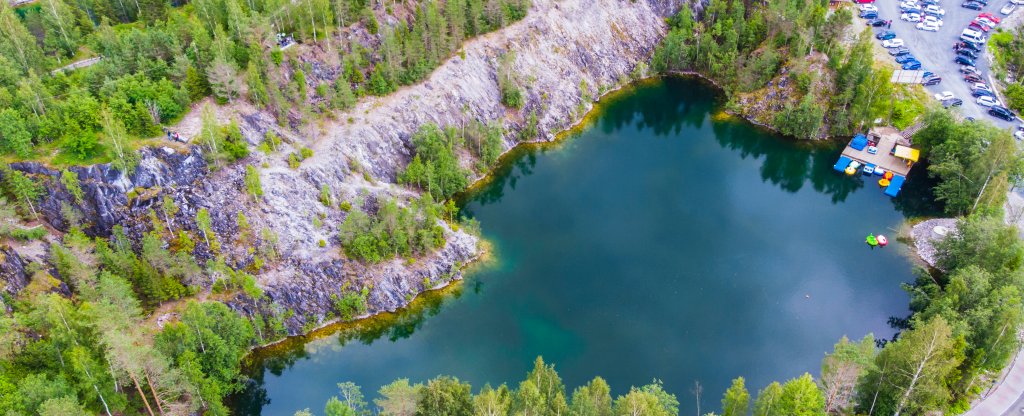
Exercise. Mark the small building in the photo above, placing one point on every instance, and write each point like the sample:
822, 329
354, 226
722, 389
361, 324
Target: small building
882, 154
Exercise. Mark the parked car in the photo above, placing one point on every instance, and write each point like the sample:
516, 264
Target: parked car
929, 2
877, 23
972, 78
1019, 135
868, 15
928, 26
892, 43
968, 53
987, 101
980, 86
886, 35
944, 96
987, 22
868, 8
968, 69
911, 17
983, 93
932, 19
1001, 112
976, 25
932, 80
973, 5
905, 58
971, 35
934, 10
910, 9
863, 1
912, 5
911, 66
963, 60
955, 102
1017, 2
990, 16
899, 51
969, 45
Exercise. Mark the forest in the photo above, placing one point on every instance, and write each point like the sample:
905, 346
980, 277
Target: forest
155, 61
81, 338
745, 47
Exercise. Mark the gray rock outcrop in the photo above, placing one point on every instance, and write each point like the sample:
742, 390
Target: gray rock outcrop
567, 54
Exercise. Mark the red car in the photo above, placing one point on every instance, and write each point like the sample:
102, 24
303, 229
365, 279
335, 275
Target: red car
976, 25
989, 16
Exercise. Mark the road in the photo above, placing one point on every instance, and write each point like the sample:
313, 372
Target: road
1006, 399
935, 50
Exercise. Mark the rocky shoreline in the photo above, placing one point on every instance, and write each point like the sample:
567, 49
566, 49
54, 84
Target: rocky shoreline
569, 53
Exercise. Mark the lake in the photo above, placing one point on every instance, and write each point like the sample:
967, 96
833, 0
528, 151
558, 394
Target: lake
661, 240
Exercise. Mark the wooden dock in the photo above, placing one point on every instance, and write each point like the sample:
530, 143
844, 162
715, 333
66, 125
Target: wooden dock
886, 139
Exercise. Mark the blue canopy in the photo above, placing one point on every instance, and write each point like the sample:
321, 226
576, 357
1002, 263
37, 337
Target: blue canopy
859, 142
842, 163
894, 185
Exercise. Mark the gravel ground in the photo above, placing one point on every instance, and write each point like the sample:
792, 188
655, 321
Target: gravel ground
924, 238
935, 50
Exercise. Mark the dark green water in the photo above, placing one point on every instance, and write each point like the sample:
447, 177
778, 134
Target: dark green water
657, 243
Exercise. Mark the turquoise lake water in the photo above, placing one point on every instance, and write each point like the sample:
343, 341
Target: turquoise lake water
658, 242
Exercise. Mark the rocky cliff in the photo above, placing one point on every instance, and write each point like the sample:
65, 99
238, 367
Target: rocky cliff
568, 53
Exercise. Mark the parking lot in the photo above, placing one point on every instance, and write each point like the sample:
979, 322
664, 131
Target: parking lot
935, 50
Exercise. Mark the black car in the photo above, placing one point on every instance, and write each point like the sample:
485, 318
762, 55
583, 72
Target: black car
963, 60
885, 35
969, 45
877, 23
953, 102
973, 5
982, 93
869, 15
932, 80
968, 53
900, 51
1001, 112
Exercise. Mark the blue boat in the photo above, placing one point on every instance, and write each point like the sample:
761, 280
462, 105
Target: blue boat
869, 169
842, 164
895, 184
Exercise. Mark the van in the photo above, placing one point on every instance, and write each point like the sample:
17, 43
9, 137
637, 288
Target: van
972, 36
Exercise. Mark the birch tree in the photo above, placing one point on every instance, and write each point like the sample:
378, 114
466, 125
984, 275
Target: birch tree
916, 367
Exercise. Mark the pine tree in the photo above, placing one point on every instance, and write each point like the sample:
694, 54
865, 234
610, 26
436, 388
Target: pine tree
22, 188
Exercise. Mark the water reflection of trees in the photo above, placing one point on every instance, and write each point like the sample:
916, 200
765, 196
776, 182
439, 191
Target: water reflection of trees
665, 106
669, 105
392, 326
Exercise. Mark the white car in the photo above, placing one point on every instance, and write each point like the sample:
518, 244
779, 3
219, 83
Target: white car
868, 8
911, 17
934, 10
945, 95
906, 7
1008, 9
894, 43
986, 101
986, 22
932, 20
928, 26
980, 86
1019, 135
1017, 2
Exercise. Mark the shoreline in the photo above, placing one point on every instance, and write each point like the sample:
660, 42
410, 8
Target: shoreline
593, 109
